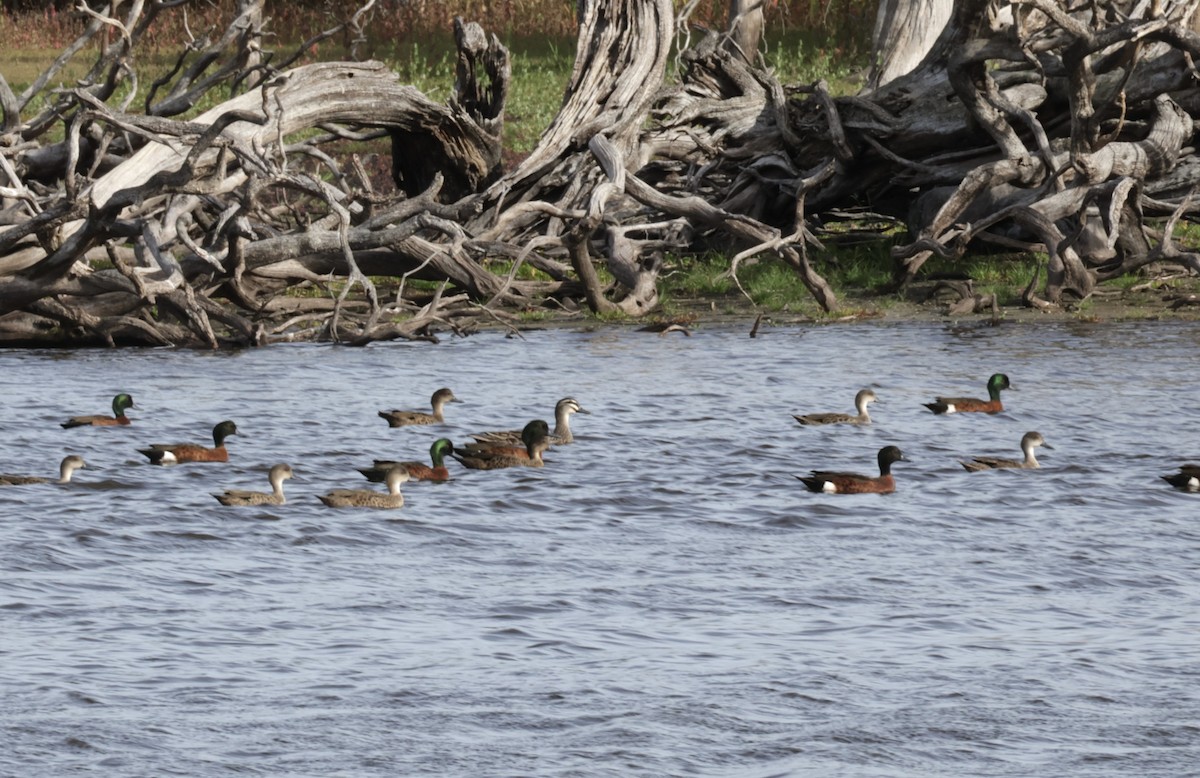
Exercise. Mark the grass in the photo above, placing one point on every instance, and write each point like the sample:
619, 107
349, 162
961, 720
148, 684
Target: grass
526, 272
768, 284
860, 275
799, 57
1005, 275
540, 72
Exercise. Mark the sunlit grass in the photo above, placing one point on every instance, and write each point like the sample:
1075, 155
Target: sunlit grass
1187, 235
860, 267
526, 272
539, 80
1127, 282
428, 68
768, 284
804, 58
1004, 274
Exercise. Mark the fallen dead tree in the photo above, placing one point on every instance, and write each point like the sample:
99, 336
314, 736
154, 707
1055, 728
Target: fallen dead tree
1068, 133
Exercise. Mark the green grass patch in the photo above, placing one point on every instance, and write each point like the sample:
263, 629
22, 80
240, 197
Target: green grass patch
526, 272
1187, 235
767, 282
540, 72
23, 66
803, 57
859, 274
862, 267
1005, 275
1126, 282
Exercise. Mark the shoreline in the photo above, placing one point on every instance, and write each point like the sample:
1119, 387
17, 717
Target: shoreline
1106, 306
1177, 300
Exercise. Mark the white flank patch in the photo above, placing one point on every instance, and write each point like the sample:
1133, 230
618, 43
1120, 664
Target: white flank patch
1193, 484
169, 458
829, 487
950, 408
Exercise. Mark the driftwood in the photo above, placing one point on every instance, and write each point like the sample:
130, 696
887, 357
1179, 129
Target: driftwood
1065, 132
1080, 197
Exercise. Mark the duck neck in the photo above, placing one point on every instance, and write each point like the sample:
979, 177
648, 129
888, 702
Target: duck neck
562, 423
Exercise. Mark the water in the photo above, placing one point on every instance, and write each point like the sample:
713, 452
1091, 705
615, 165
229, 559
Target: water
664, 598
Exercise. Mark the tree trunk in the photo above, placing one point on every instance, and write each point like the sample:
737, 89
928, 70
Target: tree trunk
745, 29
905, 31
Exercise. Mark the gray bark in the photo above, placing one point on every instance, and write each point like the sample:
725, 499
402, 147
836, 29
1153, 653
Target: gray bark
904, 33
745, 29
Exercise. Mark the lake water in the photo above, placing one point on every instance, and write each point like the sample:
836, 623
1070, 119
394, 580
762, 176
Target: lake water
663, 598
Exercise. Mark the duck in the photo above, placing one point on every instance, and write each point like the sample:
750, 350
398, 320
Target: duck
561, 435
367, 498
66, 469
995, 384
483, 456
396, 418
853, 483
276, 476
119, 404
861, 400
417, 471
170, 454
1187, 479
1029, 441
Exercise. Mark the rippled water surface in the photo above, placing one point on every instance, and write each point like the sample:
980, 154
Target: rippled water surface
663, 598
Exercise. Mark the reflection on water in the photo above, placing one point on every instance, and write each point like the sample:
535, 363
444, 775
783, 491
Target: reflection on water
664, 598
